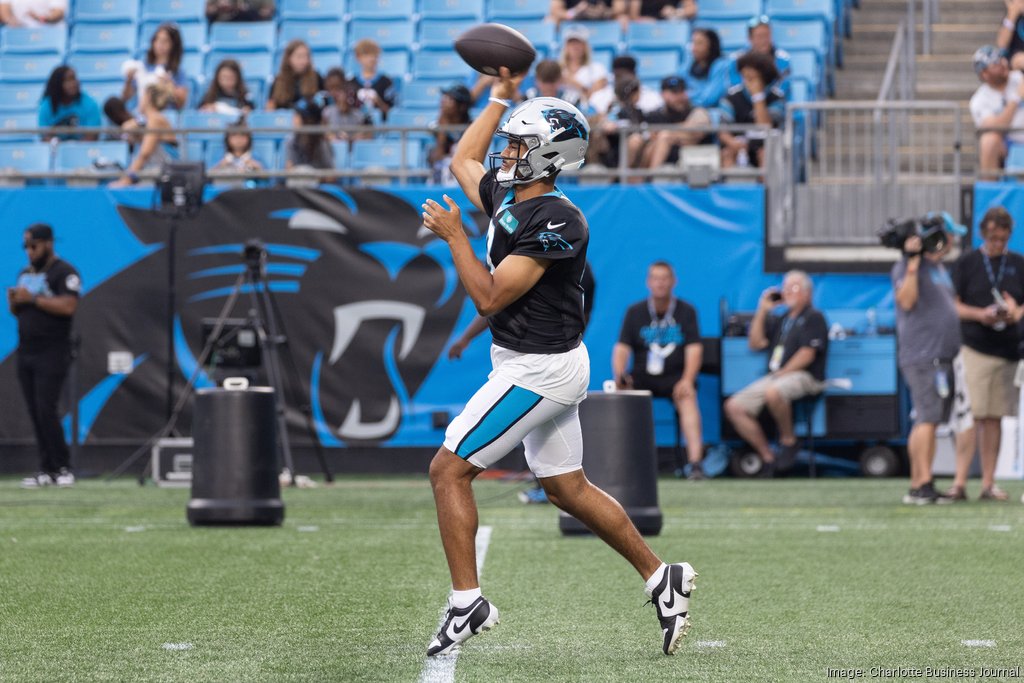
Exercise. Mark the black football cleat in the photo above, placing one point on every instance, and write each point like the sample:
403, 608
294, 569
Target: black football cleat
671, 598
462, 624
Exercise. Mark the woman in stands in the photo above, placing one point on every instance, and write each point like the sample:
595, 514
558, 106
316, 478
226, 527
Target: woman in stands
64, 104
159, 144
227, 93
455, 103
163, 63
707, 75
309, 150
582, 75
296, 79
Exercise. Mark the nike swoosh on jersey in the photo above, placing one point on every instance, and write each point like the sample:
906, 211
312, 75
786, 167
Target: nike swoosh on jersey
552, 226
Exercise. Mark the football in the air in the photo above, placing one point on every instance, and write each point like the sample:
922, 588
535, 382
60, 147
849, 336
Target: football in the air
488, 47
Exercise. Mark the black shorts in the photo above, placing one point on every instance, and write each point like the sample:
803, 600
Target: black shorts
659, 385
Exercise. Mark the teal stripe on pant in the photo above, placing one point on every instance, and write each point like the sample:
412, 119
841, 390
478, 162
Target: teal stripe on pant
509, 409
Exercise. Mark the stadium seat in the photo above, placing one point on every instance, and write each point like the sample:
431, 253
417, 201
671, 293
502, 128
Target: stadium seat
510, 10
730, 9
99, 66
393, 63
804, 65
213, 152
381, 9
311, 9
409, 117
657, 63
319, 35
21, 97
250, 36
178, 11
424, 93
202, 119
387, 33
341, 153
254, 64
731, 32
656, 35
102, 38
24, 157
281, 120
386, 154
257, 88
265, 152
323, 59
192, 66
806, 34
801, 9
440, 64
441, 33
600, 34
193, 35
452, 9
106, 11
42, 40
76, 156
28, 67
103, 90
539, 32
18, 120
1014, 159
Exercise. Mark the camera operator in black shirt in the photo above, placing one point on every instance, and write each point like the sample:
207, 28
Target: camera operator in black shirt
44, 301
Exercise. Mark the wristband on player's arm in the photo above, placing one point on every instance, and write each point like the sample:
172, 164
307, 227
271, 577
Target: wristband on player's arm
498, 100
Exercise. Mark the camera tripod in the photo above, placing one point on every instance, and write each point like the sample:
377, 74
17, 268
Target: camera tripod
265, 318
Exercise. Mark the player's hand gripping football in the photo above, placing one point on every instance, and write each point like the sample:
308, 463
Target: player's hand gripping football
506, 87
445, 223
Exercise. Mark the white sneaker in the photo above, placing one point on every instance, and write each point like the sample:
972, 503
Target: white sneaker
462, 624
65, 478
37, 481
671, 598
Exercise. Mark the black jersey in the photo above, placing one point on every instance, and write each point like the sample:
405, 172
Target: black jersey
35, 325
549, 317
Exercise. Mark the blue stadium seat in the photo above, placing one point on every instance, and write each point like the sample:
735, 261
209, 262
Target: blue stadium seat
441, 33
387, 33
657, 35
318, 35
730, 9
178, 11
386, 154
193, 35
1014, 159
103, 90
804, 65
281, 120
18, 120
73, 155
341, 153
323, 59
508, 10
452, 9
424, 93
405, 116
21, 97
254, 64
801, 9
45, 39
381, 9
731, 32
265, 152
102, 38
393, 63
193, 67
106, 11
213, 152
25, 157
99, 66
539, 32
657, 63
311, 9
28, 67
202, 119
255, 36
806, 34
257, 88
600, 34
440, 64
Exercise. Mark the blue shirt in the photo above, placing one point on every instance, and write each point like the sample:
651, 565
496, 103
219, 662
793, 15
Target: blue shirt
708, 91
82, 112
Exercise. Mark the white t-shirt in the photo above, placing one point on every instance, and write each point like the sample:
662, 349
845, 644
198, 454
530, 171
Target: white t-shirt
23, 9
987, 101
586, 76
603, 99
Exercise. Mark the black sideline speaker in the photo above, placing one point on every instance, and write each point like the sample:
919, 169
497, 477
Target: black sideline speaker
235, 468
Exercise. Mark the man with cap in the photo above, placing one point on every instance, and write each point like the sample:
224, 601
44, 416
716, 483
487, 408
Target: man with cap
44, 300
624, 71
759, 33
996, 105
928, 340
663, 146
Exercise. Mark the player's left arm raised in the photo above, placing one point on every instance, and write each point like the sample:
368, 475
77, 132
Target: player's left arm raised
490, 292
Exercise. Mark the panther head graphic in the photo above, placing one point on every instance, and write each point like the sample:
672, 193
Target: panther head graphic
564, 125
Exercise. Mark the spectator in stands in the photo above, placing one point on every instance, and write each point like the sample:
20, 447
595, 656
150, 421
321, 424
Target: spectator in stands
989, 287
240, 10
547, 81
606, 129
227, 93
707, 76
759, 33
661, 337
32, 13
1010, 37
662, 147
296, 78
656, 10
159, 144
586, 10
309, 150
582, 75
798, 343
238, 152
754, 101
64, 104
996, 105
344, 107
928, 339
376, 90
163, 62
624, 69
455, 103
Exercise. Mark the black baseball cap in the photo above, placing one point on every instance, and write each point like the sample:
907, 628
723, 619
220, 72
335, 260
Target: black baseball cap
673, 83
624, 62
40, 231
459, 93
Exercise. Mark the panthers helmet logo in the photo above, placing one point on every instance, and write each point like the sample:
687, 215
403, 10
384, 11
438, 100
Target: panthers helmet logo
564, 126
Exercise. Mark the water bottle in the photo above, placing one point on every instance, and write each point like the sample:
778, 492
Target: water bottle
872, 328
743, 158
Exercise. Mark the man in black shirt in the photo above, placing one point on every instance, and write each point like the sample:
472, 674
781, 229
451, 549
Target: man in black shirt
989, 284
797, 344
661, 336
531, 293
663, 146
44, 300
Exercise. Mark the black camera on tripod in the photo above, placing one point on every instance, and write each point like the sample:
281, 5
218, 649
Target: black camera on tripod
932, 228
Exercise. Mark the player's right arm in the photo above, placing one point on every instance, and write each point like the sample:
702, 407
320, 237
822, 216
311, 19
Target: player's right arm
468, 162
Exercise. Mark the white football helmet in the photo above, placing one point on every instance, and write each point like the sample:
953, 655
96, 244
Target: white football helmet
555, 134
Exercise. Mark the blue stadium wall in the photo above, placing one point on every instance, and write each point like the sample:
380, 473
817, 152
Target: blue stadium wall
369, 301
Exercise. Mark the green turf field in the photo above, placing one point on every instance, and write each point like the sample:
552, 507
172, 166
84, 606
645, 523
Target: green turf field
107, 582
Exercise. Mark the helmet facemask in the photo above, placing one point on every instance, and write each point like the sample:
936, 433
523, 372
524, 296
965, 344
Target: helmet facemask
521, 172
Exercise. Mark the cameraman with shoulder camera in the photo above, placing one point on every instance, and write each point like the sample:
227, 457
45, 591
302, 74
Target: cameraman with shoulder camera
928, 339
989, 284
